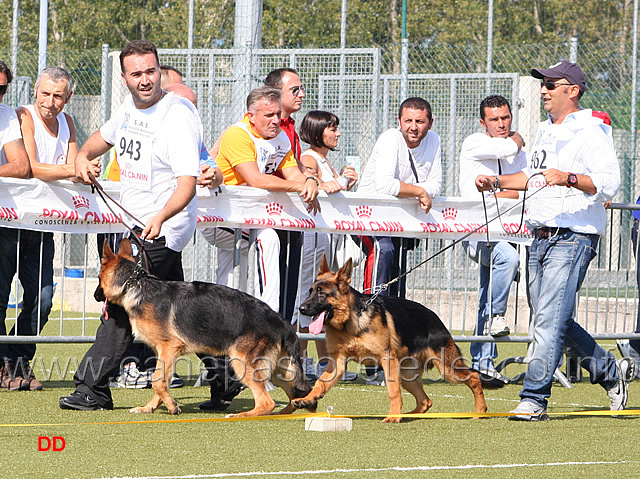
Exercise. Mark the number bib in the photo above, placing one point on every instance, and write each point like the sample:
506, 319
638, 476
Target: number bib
544, 154
134, 144
269, 153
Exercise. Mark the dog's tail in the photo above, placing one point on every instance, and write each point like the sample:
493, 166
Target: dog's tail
489, 379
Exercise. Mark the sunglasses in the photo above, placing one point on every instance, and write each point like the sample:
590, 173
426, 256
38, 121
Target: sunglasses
3, 88
297, 89
552, 85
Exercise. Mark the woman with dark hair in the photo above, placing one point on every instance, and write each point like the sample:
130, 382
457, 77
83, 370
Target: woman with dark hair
320, 130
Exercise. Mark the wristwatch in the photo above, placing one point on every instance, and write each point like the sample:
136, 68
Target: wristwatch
572, 180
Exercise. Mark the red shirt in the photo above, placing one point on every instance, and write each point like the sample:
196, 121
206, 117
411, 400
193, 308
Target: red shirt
288, 126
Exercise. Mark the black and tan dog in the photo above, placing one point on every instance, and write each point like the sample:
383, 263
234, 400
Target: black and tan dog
401, 335
176, 318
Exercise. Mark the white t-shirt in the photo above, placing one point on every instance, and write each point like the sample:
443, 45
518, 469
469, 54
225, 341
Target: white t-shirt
9, 129
485, 155
390, 164
51, 150
583, 145
155, 146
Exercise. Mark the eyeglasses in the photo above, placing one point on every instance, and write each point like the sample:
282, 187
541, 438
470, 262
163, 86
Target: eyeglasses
297, 89
3, 88
552, 85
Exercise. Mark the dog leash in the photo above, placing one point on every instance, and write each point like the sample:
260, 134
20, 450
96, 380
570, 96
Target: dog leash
385, 286
97, 187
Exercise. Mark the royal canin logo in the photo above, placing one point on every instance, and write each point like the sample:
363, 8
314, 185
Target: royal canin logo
449, 214
364, 211
81, 202
274, 209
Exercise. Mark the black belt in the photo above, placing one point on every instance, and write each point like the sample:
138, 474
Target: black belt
548, 231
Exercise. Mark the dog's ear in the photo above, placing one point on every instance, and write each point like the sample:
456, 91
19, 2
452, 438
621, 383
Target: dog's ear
107, 252
345, 272
125, 249
324, 266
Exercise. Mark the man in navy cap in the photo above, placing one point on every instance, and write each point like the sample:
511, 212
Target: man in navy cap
572, 169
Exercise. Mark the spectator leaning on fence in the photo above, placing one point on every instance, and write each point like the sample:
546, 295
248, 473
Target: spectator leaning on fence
496, 151
50, 140
405, 162
320, 130
158, 137
14, 163
576, 170
293, 93
256, 152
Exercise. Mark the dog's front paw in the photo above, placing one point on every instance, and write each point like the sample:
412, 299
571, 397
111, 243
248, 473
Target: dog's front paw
392, 420
141, 409
305, 403
176, 410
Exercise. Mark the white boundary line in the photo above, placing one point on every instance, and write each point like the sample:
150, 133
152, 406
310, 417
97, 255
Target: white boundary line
399, 469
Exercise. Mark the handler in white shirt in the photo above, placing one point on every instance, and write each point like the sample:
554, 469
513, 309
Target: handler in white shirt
405, 163
496, 151
574, 166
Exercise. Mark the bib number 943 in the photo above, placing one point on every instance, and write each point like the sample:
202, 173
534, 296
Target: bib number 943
131, 148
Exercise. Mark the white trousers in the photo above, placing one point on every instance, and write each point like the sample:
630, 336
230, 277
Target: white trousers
266, 281
314, 244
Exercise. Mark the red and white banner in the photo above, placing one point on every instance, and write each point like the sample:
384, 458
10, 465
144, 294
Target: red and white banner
67, 207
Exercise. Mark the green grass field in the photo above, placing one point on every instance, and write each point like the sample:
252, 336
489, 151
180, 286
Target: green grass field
566, 446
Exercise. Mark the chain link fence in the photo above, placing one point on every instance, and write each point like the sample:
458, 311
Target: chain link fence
364, 86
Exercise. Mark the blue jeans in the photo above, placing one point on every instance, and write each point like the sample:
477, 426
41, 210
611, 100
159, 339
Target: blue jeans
557, 267
506, 262
36, 276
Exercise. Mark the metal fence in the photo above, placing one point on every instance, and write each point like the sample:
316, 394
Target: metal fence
364, 87
448, 284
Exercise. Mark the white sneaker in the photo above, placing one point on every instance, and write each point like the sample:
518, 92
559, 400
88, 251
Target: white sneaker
529, 411
620, 392
628, 352
499, 326
376, 379
131, 378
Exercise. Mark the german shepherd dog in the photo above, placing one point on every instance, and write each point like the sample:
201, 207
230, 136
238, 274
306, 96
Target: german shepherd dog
176, 318
401, 335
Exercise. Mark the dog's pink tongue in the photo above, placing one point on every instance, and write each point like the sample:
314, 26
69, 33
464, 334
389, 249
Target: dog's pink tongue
316, 325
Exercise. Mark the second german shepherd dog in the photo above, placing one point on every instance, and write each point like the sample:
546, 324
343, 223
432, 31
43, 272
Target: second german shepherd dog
176, 318
401, 335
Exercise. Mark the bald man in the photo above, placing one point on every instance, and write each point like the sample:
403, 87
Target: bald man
210, 174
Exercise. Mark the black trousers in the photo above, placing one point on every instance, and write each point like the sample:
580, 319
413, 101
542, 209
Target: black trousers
103, 359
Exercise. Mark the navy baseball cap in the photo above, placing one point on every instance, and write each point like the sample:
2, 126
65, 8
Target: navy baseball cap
563, 69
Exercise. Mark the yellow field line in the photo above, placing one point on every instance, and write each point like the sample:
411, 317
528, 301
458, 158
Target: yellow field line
432, 415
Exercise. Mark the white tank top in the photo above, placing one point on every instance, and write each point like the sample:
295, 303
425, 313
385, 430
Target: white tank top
51, 150
326, 172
